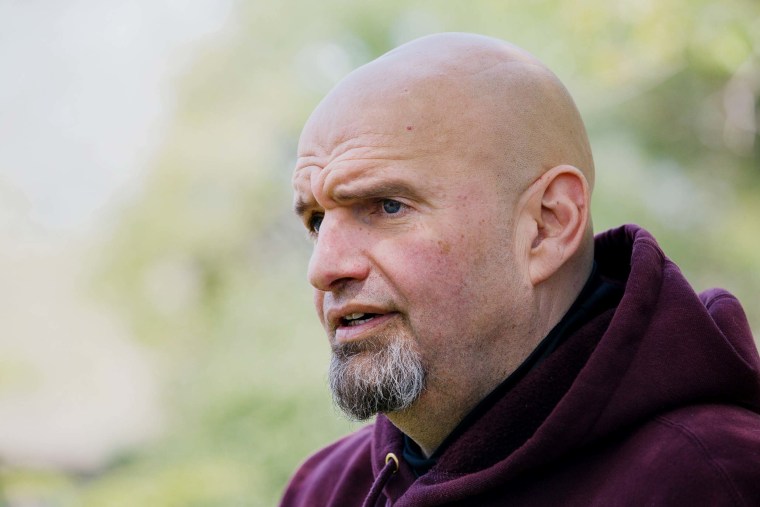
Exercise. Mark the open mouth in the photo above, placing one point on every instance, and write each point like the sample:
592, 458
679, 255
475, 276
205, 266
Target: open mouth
356, 319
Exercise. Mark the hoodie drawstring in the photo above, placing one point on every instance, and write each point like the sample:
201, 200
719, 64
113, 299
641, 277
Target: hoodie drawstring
390, 468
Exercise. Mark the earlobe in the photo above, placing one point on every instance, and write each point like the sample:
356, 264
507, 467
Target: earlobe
561, 213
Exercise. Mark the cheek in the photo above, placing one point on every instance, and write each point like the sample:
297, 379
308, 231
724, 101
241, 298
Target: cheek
419, 260
453, 287
434, 277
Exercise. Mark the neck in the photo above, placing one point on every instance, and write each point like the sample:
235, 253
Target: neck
432, 418
444, 405
448, 399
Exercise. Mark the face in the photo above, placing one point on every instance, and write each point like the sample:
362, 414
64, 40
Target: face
413, 243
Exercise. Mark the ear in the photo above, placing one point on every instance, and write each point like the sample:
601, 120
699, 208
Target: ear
557, 212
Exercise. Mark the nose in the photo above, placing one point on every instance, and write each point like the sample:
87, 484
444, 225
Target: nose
339, 254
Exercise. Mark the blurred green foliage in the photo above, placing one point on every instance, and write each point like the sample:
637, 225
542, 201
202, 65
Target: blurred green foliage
208, 267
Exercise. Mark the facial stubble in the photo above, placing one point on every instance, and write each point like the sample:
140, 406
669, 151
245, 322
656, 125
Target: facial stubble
380, 374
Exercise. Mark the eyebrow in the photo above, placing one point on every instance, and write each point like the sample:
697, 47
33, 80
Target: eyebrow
301, 207
387, 189
375, 191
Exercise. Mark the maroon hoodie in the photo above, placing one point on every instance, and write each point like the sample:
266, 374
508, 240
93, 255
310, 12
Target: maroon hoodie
654, 402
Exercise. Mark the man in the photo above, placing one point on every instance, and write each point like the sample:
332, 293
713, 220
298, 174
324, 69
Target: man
511, 357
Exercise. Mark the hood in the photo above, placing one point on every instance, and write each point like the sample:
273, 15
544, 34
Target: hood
663, 347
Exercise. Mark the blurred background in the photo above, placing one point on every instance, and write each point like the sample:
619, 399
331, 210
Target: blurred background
158, 345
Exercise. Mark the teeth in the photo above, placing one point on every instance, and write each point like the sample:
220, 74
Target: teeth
356, 319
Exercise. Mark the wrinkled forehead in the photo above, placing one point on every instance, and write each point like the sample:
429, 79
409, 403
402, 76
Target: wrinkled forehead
366, 131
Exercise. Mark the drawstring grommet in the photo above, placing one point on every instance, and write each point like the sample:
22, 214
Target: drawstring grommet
392, 457
389, 469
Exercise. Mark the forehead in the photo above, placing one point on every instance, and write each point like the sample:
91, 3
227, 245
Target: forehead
430, 126
340, 165
398, 115
389, 102
364, 138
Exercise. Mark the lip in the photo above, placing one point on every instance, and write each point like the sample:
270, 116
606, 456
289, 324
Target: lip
345, 333
349, 333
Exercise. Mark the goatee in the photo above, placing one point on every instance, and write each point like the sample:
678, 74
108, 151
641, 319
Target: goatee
375, 375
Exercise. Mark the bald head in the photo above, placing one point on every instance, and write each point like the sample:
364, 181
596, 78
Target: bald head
485, 97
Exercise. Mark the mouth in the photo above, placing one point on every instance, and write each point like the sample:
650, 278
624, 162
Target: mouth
357, 319
359, 325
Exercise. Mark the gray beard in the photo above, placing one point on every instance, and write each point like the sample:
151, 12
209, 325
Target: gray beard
371, 376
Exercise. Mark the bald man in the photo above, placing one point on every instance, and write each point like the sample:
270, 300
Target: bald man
511, 358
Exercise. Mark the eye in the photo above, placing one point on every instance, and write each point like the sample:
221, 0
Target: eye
315, 221
390, 206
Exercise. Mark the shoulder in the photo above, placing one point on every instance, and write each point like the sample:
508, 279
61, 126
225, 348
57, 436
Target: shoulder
707, 452
722, 435
332, 472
